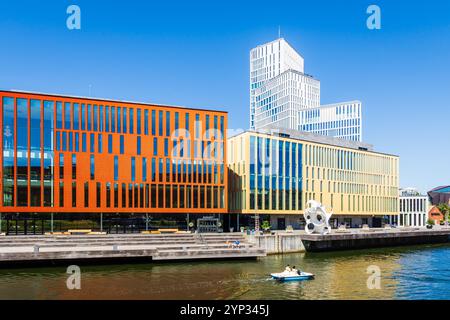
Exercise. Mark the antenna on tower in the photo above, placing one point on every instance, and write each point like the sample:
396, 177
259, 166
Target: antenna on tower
279, 32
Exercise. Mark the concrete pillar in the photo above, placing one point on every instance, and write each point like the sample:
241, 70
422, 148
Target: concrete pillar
101, 222
51, 222
146, 222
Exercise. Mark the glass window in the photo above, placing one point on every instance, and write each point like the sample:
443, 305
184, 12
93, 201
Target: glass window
138, 147
138, 121
119, 119
83, 142
35, 134
74, 194
113, 119
131, 121
116, 168
197, 126
160, 123
155, 146
153, 169
107, 118
176, 123
122, 144
89, 117
222, 127
22, 152
144, 169
100, 118
8, 151
74, 166
86, 194
61, 194
100, 143
153, 122
92, 142
166, 147
70, 141
124, 120
64, 141
83, 117
146, 122
133, 169
59, 115
110, 143
95, 117
99, 194
108, 195
22, 126
207, 126
67, 115
58, 141
76, 116
186, 122
168, 123
92, 167
77, 142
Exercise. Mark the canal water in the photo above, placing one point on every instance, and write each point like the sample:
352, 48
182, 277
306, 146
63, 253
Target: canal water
421, 272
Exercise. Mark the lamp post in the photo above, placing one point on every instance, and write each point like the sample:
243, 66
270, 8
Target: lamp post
256, 218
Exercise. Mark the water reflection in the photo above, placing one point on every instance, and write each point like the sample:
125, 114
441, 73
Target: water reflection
414, 272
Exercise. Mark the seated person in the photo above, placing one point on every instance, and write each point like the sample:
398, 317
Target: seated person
288, 268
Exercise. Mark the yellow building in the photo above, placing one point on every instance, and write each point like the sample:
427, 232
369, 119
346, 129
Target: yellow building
276, 173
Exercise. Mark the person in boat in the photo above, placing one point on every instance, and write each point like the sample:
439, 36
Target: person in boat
294, 270
288, 268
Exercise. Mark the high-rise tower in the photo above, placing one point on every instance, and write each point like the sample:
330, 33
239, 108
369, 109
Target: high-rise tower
283, 96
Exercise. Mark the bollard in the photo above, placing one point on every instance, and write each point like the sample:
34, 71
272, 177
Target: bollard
115, 247
36, 249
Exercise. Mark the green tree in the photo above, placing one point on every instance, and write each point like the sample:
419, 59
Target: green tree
445, 209
266, 225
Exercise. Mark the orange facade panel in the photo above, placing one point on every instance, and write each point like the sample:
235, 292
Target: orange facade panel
72, 154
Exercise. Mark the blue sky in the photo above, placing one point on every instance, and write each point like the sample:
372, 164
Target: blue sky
195, 54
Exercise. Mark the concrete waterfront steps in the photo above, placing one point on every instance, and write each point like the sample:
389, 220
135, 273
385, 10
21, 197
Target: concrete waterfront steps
103, 247
216, 253
114, 239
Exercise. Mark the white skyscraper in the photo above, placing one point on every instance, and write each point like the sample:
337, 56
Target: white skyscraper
267, 62
283, 96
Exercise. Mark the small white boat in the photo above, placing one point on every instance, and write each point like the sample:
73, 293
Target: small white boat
292, 276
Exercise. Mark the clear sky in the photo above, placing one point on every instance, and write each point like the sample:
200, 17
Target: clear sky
195, 54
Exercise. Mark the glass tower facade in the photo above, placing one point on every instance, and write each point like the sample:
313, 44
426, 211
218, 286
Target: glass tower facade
278, 174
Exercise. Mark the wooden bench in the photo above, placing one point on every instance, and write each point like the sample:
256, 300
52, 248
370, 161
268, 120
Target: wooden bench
168, 230
80, 231
342, 229
57, 234
150, 232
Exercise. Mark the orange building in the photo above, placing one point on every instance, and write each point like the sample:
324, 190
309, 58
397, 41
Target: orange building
436, 215
64, 154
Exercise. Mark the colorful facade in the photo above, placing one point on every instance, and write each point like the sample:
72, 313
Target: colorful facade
277, 174
63, 154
